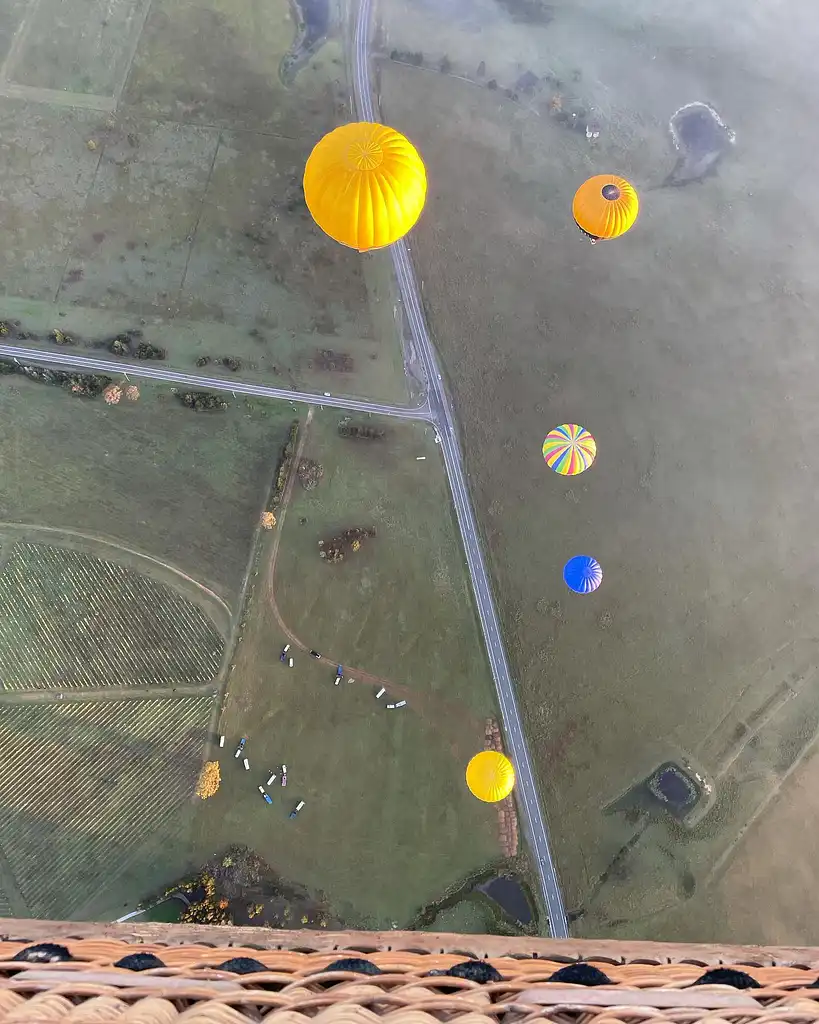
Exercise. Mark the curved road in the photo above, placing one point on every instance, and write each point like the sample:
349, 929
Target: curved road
442, 416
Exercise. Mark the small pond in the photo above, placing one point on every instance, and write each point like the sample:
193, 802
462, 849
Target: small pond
510, 896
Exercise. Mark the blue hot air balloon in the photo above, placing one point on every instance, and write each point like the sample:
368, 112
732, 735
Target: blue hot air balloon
583, 574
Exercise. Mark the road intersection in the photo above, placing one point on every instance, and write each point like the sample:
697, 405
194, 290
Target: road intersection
437, 410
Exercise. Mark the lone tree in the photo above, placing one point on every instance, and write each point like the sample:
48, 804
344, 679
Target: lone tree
209, 780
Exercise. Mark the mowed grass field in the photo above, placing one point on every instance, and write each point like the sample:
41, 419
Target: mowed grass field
388, 823
186, 488
401, 607
84, 786
68, 619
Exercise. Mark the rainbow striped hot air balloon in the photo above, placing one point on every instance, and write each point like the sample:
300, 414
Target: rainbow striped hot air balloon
605, 206
365, 185
569, 449
490, 776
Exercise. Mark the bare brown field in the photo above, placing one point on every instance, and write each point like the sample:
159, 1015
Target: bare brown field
677, 346
70, 620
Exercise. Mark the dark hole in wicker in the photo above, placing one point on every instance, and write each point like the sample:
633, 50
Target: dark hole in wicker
44, 953
242, 965
475, 970
580, 974
139, 962
727, 976
353, 963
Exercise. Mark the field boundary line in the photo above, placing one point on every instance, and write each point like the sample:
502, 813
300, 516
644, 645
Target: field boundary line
246, 591
23, 529
101, 694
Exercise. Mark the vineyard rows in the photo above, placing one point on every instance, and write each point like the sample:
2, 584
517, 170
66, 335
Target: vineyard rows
82, 785
68, 619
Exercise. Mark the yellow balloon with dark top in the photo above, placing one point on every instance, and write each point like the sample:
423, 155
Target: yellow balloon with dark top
365, 185
605, 206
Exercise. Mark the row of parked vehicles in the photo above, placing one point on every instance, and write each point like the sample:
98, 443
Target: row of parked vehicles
286, 657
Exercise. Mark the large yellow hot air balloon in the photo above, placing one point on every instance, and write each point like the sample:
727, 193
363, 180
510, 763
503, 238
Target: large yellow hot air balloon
365, 185
490, 776
605, 206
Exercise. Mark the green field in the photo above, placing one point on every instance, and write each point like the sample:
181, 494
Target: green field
469, 916
125, 534
85, 785
70, 620
183, 487
388, 822
181, 214
401, 607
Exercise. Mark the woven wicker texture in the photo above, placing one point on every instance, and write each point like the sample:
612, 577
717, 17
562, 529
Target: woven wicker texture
70, 974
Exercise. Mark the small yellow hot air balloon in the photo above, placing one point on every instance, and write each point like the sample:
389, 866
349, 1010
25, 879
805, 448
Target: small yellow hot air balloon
605, 206
365, 185
490, 776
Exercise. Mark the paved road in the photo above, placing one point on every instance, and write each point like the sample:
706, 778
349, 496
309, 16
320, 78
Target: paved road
442, 416
68, 361
437, 410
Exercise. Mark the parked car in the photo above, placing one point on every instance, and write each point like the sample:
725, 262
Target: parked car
315, 654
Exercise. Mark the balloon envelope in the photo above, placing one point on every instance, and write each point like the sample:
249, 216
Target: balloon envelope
583, 574
365, 185
569, 449
490, 776
605, 206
